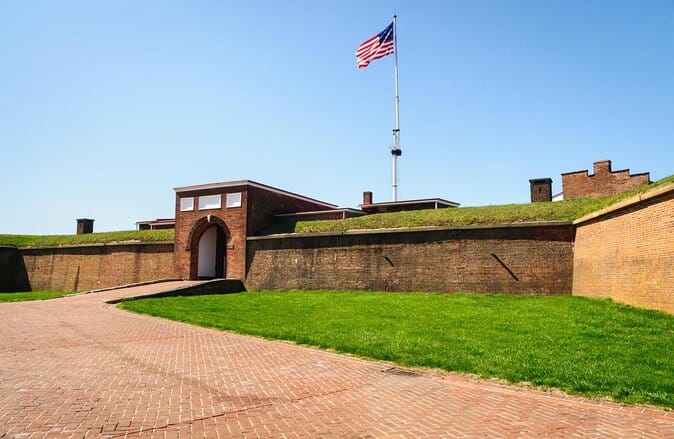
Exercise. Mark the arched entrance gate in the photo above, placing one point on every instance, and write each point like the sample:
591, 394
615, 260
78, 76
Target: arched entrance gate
208, 248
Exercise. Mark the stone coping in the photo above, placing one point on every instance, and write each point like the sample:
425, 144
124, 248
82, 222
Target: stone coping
627, 202
414, 229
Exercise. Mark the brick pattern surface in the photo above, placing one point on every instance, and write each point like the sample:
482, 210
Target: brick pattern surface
629, 255
517, 260
90, 267
76, 367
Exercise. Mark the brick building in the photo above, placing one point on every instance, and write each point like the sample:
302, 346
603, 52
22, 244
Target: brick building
213, 221
603, 183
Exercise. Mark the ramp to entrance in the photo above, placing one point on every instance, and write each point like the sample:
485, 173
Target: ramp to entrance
193, 288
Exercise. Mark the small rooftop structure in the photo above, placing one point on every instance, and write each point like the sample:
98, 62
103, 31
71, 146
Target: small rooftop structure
541, 189
158, 224
397, 206
85, 225
317, 215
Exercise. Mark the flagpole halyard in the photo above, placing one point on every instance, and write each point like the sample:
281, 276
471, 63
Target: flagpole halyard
395, 147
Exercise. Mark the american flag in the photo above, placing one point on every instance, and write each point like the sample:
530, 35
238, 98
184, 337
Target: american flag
376, 47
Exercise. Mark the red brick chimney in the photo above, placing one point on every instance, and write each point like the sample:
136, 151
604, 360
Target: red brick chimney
367, 198
602, 167
541, 189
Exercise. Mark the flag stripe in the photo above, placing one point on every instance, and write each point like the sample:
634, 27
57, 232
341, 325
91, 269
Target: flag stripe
375, 47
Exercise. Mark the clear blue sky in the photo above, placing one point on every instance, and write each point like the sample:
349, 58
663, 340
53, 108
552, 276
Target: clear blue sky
105, 107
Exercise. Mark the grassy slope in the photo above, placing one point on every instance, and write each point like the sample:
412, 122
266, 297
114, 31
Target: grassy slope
33, 295
464, 216
575, 344
90, 238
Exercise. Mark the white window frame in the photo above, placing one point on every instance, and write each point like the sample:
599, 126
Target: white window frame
207, 202
187, 204
233, 200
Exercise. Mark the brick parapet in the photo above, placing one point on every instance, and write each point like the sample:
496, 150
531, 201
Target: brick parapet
604, 182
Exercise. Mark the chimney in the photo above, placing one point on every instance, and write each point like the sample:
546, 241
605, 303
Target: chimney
367, 198
85, 225
602, 167
541, 189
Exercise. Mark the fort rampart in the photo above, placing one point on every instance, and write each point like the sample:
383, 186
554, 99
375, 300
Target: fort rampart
513, 259
625, 252
89, 267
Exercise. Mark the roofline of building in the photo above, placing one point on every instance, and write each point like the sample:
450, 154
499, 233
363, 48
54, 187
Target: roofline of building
586, 171
405, 202
158, 221
234, 183
315, 212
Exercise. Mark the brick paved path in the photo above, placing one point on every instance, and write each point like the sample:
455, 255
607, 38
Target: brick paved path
76, 367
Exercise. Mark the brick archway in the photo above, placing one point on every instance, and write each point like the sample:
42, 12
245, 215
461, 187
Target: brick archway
196, 232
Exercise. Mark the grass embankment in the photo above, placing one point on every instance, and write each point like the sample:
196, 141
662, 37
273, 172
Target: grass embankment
566, 210
88, 238
31, 295
584, 346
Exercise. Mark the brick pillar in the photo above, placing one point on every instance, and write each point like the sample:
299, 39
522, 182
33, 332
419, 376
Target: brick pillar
85, 225
541, 189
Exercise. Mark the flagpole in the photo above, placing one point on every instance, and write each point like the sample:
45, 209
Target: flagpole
395, 147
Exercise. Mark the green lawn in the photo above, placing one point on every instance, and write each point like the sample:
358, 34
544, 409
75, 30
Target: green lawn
31, 295
566, 210
87, 238
584, 346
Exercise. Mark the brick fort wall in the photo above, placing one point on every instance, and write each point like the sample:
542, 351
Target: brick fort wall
83, 268
515, 259
627, 254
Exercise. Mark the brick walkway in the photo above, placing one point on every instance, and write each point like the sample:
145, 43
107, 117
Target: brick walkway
76, 367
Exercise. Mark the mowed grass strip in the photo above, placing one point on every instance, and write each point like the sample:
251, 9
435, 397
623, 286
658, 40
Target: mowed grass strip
87, 238
31, 295
579, 345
